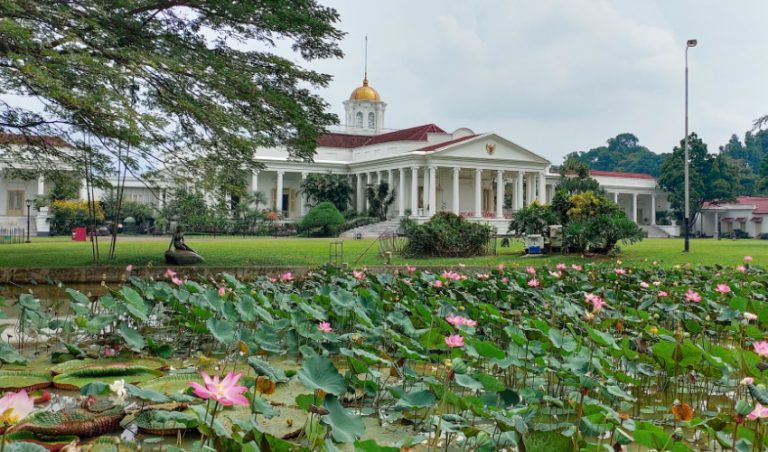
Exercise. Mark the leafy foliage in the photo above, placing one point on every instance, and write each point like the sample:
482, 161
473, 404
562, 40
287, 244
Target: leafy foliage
534, 218
447, 235
324, 220
622, 153
379, 199
66, 215
334, 188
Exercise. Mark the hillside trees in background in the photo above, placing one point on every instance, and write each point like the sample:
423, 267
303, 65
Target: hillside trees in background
621, 153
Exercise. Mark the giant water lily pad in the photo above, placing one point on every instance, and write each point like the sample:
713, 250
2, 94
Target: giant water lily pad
172, 384
51, 443
131, 374
77, 421
76, 364
162, 423
16, 380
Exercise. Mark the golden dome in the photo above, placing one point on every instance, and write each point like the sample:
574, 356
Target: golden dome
365, 92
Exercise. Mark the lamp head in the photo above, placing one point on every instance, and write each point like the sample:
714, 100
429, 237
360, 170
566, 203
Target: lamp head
29, 202
692, 43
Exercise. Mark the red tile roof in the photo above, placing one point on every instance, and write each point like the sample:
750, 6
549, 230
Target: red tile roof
17, 138
436, 146
761, 204
345, 140
620, 174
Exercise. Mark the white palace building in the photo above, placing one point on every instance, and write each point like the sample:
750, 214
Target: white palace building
431, 170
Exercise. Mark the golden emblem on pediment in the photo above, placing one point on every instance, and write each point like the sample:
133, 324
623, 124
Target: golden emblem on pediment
490, 148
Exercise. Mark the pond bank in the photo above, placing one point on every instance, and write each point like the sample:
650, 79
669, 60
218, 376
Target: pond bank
112, 274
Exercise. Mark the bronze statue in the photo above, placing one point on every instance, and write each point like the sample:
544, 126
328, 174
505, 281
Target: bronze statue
179, 253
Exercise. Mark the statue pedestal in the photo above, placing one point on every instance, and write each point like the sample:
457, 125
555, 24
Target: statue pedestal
176, 257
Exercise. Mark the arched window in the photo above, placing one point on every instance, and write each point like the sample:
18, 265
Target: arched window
359, 120
371, 120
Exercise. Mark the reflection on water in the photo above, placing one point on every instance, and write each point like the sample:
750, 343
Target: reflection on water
52, 296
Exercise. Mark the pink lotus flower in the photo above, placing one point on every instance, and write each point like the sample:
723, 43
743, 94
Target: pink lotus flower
561, 267
747, 381
437, 284
761, 348
272, 280
129, 268
170, 274
15, 406
747, 258
750, 317
760, 412
410, 268
534, 282
176, 280
450, 275
663, 293
530, 270
597, 302
222, 291
692, 296
359, 275
287, 276
505, 280
722, 288
325, 327
741, 268
109, 352
226, 391
657, 283
556, 275
500, 267
620, 271
454, 340
457, 321
644, 285
576, 267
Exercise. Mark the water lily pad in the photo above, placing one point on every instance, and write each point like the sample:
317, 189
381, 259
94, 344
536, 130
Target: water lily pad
69, 366
16, 380
319, 373
162, 423
171, 384
46, 442
106, 374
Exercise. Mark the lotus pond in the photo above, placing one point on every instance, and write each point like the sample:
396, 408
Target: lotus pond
560, 358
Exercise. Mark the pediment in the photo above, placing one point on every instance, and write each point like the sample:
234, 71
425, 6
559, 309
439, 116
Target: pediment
490, 146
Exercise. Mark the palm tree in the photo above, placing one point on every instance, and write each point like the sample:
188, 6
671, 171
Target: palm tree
379, 200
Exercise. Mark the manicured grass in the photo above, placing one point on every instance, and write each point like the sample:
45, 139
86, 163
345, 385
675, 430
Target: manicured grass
267, 251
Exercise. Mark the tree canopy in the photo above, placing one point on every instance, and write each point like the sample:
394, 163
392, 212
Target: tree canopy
622, 153
711, 177
194, 83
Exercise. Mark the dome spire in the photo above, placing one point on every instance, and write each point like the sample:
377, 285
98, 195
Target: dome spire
365, 77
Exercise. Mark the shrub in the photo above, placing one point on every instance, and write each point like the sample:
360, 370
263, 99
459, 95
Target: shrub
66, 215
533, 219
447, 235
324, 220
601, 233
333, 188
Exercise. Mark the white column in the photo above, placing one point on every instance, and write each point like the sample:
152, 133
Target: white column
390, 180
254, 186
519, 204
302, 197
499, 193
359, 192
369, 181
456, 209
542, 188
432, 190
478, 193
83, 190
616, 197
40, 185
279, 193
634, 207
531, 188
415, 191
653, 209
401, 194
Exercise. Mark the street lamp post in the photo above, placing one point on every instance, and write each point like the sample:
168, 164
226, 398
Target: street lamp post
688, 45
29, 206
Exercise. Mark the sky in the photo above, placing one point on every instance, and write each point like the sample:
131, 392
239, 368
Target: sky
557, 76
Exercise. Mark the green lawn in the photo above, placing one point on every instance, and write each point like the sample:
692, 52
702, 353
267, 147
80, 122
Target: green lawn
267, 251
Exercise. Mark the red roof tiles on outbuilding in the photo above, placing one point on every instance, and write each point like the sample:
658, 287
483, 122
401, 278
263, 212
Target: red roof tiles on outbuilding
620, 174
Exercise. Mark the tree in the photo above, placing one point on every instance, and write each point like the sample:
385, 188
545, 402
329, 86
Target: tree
711, 178
379, 200
622, 153
323, 220
333, 188
188, 85
574, 179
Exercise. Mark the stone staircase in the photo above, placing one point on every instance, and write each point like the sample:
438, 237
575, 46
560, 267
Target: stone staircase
654, 232
372, 230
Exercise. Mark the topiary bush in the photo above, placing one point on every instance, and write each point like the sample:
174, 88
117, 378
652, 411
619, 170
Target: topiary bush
323, 220
448, 235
